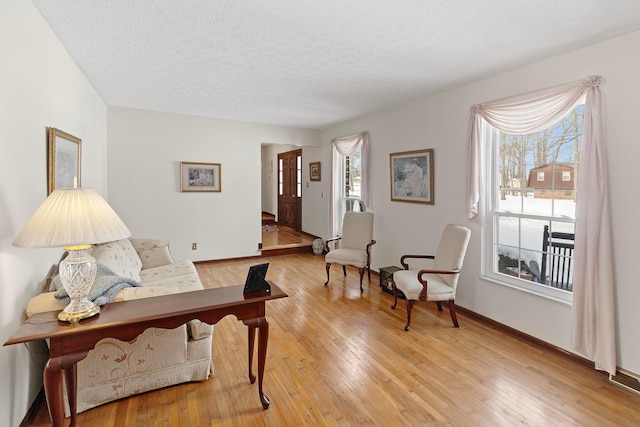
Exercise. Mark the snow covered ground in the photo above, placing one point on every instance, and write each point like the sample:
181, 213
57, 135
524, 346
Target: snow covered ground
529, 232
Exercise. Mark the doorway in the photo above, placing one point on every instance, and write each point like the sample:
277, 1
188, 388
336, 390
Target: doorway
282, 195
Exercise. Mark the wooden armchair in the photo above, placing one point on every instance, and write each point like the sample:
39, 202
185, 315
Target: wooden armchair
355, 245
439, 283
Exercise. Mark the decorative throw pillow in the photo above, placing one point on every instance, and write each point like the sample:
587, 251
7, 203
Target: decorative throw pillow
120, 256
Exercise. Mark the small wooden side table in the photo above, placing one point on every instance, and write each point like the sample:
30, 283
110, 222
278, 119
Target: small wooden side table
386, 279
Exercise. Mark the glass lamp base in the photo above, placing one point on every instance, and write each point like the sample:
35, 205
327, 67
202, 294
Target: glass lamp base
77, 273
78, 310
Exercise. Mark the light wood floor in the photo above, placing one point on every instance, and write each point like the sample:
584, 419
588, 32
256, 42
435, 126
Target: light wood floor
282, 237
339, 358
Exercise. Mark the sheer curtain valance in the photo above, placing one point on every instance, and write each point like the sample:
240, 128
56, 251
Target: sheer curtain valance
593, 326
521, 114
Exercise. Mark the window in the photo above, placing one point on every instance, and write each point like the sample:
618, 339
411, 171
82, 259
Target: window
349, 178
280, 177
351, 173
522, 202
593, 333
299, 175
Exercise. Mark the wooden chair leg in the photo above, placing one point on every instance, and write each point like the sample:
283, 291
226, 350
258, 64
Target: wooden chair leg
410, 304
439, 304
369, 271
452, 311
344, 269
327, 267
361, 271
395, 296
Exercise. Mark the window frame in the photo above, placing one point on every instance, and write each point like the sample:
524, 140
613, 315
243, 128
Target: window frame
491, 233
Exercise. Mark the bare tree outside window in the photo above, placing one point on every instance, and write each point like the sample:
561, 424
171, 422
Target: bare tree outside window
536, 181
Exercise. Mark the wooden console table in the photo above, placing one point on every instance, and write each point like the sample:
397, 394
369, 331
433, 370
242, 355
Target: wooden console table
70, 342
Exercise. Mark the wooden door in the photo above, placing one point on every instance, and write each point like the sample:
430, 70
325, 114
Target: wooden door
290, 189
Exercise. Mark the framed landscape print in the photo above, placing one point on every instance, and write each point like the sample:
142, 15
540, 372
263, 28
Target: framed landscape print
200, 177
314, 171
412, 176
63, 160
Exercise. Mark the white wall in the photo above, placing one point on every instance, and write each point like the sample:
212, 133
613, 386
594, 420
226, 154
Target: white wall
145, 151
314, 199
440, 122
40, 86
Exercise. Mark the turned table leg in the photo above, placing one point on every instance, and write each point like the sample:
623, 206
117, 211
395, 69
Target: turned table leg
263, 338
251, 340
53, 390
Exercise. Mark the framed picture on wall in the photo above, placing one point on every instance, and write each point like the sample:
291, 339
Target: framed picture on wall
63, 160
200, 177
314, 171
412, 176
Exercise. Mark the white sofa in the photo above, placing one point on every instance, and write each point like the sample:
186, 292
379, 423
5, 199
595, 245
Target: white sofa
158, 357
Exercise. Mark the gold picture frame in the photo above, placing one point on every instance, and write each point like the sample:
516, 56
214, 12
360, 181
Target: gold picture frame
412, 176
64, 160
314, 171
200, 177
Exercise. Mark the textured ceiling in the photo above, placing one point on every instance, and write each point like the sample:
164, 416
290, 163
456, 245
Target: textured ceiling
313, 63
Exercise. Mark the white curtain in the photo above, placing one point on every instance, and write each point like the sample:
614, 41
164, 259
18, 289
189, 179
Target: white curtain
345, 146
593, 326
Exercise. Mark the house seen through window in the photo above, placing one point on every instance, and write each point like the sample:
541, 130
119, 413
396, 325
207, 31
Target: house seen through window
533, 204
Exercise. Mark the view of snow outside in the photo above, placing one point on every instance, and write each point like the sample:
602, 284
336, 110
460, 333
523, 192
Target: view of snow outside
521, 238
352, 198
555, 149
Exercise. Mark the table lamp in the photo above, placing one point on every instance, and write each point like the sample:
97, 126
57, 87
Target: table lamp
75, 219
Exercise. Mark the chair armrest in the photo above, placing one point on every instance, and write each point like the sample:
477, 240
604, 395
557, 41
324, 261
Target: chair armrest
371, 243
152, 252
406, 266
422, 272
424, 282
326, 243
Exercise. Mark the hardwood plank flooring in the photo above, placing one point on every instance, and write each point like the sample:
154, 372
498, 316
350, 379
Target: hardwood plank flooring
280, 240
340, 358
282, 237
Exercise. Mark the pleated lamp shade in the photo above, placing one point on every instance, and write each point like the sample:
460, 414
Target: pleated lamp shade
72, 217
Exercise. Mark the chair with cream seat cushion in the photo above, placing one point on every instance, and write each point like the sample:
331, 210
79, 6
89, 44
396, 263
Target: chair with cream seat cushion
438, 283
355, 244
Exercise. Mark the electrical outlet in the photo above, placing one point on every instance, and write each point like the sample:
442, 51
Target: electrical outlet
194, 246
